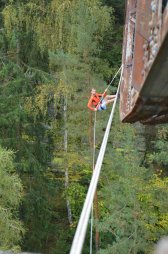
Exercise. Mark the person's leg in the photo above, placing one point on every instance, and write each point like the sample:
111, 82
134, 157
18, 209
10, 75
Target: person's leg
109, 97
110, 101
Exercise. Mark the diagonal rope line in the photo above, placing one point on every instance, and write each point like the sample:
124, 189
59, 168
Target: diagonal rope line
108, 87
93, 165
80, 234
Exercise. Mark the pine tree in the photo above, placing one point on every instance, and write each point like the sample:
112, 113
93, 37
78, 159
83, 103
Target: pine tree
52, 51
134, 213
11, 190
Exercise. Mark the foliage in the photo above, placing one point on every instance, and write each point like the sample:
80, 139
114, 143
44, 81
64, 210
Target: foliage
135, 213
50, 50
158, 156
51, 54
11, 191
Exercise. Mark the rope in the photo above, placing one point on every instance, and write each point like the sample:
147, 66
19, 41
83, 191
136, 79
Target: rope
93, 166
79, 237
94, 141
91, 231
108, 87
94, 146
114, 77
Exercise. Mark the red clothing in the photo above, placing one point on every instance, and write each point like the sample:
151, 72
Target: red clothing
94, 100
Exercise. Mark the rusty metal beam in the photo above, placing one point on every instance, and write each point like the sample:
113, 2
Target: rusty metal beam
144, 86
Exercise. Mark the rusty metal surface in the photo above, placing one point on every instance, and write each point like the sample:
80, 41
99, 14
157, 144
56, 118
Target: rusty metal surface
144, 86
142, 34
127, 55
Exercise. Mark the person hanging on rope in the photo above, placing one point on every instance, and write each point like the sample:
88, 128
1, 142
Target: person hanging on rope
99, 101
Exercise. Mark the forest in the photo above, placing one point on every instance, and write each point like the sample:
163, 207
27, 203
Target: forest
52, 53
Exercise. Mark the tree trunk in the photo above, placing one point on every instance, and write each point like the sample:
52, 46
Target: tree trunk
66, 169
17, 48
96, 212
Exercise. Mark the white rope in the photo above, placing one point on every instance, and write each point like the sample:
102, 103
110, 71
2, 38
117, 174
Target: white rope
94, 141
108, 86
93, 166
114, 77
80, 234
94, 149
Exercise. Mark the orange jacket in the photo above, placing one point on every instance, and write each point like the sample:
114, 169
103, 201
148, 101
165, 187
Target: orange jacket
94, 100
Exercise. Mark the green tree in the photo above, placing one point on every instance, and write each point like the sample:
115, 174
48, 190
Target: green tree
52, 52
112, 44
158, 154
134, 215
11, 194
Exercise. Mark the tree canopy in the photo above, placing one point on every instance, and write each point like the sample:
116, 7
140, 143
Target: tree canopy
11, 194
51, 54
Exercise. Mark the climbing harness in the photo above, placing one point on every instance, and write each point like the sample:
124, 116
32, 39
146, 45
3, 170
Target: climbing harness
80, 234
